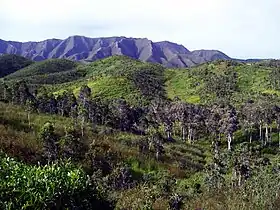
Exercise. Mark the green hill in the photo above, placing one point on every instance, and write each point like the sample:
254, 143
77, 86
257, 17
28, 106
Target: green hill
119, 77
11, 63
222, 80
44, 68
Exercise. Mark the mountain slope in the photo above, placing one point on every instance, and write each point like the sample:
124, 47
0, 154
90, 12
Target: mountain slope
11, 63
118, 77
91, 49
44, 67
225, 80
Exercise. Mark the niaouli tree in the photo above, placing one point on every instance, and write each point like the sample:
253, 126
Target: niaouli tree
196, 121
6, 92
50, 143
264, 115
123, 115
20, 93
83, 108
46, 103
30, 106
248, 117
154, 114
276, 111
213, 121
180, 110
161, 113
65, 102
167, 119
228, 122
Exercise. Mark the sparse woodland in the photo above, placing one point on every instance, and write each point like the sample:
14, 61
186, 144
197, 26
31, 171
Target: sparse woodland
207, 137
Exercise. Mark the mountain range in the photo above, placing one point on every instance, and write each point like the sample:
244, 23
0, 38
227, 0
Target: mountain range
87, 49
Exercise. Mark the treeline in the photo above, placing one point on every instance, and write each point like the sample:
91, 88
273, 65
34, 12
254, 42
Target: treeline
219, 121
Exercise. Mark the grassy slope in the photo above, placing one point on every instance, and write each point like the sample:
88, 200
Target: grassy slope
119, 77
180, 83
188, 83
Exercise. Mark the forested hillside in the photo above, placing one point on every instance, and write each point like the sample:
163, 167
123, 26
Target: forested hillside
119, 133
11, 63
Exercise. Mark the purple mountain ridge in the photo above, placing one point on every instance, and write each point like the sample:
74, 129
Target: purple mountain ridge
82, 48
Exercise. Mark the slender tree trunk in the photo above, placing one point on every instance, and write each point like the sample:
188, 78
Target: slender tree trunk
270, 134
260, 128
183, 133
250, 137
150, 145
266, 134
278, 135
234, 177
193, 137
82, 125
189, 133
279, 138
168, 135
250, 134
28, 117
190, 136
216, 150
229, 141
239, 179
157, 155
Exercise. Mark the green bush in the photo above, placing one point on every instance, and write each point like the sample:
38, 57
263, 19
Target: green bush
58, 185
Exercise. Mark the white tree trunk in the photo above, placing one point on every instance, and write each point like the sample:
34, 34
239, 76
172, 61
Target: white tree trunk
239, 179
168, 135
266, 134
29, 121
229, 142
260, 128
183, 133
150, 145
216, 150
250, 137
157, 155
270, 134
190, 136
189, 133
82, 125
278, 135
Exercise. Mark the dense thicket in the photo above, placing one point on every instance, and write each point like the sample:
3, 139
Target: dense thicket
44, 67
11, 63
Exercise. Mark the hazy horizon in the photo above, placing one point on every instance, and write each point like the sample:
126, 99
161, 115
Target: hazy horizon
237, 28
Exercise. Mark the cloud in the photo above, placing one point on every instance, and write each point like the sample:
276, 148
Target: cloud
237, 27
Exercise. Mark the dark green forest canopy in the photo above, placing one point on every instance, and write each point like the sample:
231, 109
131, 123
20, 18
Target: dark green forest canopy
11, 63
43, 68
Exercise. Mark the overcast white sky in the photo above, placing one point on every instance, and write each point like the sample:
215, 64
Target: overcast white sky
239, 28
